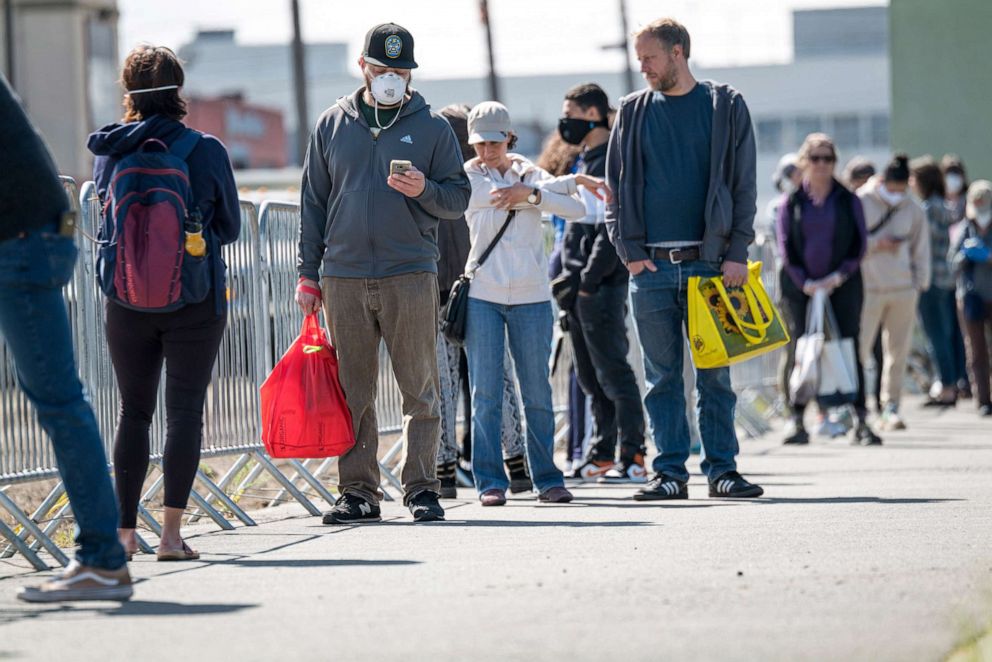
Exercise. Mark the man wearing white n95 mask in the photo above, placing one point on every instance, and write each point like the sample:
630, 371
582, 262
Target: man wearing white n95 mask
371, 232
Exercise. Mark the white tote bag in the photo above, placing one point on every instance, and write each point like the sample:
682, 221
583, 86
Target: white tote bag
804, 380
838, 366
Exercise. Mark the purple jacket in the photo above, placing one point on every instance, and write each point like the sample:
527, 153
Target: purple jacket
818, 226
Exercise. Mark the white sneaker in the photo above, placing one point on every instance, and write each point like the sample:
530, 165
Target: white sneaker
80, 582
626, 472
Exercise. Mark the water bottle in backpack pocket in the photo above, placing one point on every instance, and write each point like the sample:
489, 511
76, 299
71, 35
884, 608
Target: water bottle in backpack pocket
145, 260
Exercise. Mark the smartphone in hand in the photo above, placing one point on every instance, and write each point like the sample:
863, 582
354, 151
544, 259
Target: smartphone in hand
399, 167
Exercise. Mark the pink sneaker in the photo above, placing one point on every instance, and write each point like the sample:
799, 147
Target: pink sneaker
555, 495
493, 498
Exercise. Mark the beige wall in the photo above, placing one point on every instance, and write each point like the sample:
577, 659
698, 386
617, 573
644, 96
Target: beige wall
52, 72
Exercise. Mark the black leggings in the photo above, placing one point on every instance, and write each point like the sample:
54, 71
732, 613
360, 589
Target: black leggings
846, 301
187, 340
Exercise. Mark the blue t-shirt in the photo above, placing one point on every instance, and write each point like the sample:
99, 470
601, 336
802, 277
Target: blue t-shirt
676, 152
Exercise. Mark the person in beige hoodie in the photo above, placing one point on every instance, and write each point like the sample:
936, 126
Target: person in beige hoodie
896, 269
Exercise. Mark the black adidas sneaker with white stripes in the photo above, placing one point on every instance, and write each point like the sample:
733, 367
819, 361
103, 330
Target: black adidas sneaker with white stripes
732, 485
662, 488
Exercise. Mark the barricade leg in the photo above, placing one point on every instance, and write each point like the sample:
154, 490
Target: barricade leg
41, 513
32, 528
195, 496
64, 511
149, 520
286, 483
248, 480
212, 512
281, 494
313, 479
225, 480
17, 542
143, 545
302, 470
390, 477
225, 500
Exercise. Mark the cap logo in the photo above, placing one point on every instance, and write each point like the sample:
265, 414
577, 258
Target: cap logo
394, 46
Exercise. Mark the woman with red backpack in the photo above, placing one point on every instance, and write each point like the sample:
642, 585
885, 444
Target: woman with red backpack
169, 204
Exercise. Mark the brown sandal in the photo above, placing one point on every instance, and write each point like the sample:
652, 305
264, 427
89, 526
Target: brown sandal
184, 554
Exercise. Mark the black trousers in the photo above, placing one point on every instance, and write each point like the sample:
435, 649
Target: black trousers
847, 301
600, 346
187, 340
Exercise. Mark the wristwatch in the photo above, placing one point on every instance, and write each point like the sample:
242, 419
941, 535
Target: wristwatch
534, 197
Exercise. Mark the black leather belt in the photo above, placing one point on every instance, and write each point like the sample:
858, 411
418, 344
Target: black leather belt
674, 255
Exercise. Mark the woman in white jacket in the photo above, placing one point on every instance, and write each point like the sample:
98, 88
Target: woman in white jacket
510, 299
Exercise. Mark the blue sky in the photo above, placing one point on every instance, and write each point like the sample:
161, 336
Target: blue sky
531, 36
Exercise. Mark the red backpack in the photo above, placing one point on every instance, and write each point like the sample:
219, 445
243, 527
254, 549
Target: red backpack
143, 263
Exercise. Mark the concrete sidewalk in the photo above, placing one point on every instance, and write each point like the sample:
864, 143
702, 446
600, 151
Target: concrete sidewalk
854, 554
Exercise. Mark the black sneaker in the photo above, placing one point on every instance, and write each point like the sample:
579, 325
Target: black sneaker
863, 436
798, 438
352, 509
985, 410
519, 477
662, 488
449, 486
733, 486
425, 508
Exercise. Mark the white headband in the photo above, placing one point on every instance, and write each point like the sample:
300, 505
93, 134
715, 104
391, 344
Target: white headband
152, 89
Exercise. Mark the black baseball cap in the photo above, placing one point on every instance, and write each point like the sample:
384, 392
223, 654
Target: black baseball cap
389, 45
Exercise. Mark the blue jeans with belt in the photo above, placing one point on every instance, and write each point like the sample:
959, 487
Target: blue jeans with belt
660, 307
528, 329
33, 321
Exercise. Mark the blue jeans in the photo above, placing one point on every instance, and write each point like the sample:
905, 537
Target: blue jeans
659, 304
528, 327
35, 326
938, 310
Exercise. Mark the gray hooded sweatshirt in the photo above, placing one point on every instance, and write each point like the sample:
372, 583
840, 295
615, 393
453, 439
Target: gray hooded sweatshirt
351, 219
730, 201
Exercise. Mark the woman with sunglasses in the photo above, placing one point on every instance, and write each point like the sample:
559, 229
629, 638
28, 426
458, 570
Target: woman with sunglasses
822, 240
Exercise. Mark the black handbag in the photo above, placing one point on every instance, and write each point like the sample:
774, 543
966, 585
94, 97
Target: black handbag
455, 313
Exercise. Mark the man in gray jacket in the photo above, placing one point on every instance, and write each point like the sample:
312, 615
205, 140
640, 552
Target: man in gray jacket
681, 163
373, 234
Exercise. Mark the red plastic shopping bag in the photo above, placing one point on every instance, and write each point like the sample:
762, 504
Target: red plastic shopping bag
304, 412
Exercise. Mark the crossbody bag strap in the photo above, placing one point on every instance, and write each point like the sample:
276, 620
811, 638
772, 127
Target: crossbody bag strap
492, 244
885, 219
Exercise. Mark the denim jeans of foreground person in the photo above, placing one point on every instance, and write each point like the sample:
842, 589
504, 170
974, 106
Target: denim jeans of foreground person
527, 327
34, 324
402, 311
660, 307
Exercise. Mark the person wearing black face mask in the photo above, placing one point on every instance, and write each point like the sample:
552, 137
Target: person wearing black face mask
593, 292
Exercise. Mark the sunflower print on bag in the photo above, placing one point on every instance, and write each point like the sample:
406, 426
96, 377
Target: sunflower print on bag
716, 304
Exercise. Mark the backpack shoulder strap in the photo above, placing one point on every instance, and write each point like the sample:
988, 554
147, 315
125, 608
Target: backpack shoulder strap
185, 144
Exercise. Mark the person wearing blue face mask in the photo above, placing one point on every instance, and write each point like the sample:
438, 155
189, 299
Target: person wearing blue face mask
381, 171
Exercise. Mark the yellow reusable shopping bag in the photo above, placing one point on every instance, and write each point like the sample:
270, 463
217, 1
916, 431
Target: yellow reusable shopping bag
730, 326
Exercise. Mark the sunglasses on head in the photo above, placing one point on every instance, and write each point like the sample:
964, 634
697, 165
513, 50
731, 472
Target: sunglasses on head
822, 158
